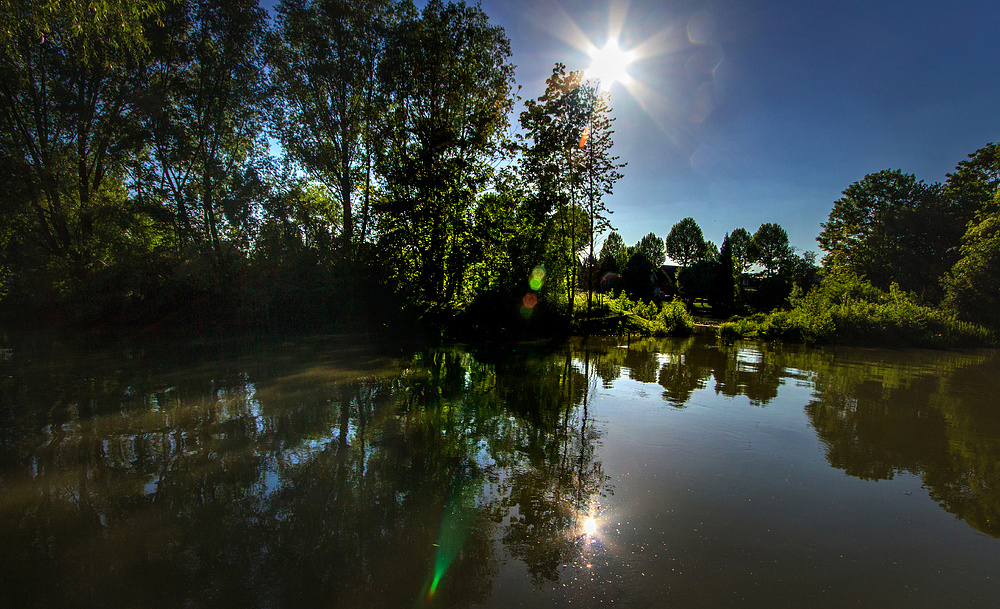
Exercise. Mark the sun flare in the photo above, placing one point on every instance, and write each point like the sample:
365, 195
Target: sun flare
610, 65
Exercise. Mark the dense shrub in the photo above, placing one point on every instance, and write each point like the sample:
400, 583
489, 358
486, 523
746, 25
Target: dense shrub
650, 318
847, 309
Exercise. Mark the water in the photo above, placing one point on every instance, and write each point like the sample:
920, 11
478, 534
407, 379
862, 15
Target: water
661, 473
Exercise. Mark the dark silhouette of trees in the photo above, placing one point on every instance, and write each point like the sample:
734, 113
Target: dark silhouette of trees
739, 243
71, 80
685, 243
651, 247
324, 55
769, 247
890, 227
612, 253
205, 119
448, 80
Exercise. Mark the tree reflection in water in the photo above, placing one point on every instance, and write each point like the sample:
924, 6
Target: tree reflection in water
312, 475
877, 412
291, 481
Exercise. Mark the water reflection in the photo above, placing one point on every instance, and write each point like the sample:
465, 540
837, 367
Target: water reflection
877, 412
934, 417
291, 480
316, 475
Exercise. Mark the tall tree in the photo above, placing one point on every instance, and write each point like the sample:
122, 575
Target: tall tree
769, 247
972, 286
728, 286
69, 77
685, 243
877, 227
739, 245
449, 80
613, 253
325, 57
973, 185
600, 172
651, 247
206, 118
552, 161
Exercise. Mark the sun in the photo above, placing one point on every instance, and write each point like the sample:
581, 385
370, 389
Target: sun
609, 65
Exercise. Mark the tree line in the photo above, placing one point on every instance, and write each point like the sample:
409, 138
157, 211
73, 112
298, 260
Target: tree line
749, 272
921, 256
939, 241
141, 180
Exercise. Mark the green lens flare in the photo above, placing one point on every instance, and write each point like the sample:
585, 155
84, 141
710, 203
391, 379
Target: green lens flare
456, 524
537, 277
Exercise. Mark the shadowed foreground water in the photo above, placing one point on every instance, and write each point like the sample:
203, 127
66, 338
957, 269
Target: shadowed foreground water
674, 473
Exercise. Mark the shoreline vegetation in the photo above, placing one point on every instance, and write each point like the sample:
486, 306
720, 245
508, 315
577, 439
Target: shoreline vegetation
199, 167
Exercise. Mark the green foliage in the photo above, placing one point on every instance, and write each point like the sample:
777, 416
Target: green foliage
739, 243
685, 243
974, 184
652, 319
567, 162
972, 287
890, 227
847, 309
205, 115
711, 252
612, 258
325, 55
70, 119
652, 247
448, 80
769, 248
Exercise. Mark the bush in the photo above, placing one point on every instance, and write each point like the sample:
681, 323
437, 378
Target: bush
652, 319
847, 309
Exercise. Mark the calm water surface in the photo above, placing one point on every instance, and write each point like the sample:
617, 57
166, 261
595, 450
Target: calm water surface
668, 473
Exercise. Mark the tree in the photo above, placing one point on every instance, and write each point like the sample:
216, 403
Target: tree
804, 272
710, 252
651, 247
727, 292
448, 85
325, 56
739, 244
600, 172
638, 275
70, 83
769, 247
613, 253
553, 163
973, 186
884, 222
685, 243
972, 286
205, 116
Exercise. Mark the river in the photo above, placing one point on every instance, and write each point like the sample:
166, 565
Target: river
654, 473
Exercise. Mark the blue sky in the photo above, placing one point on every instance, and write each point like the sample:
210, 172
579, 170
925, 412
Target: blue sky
776, 106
